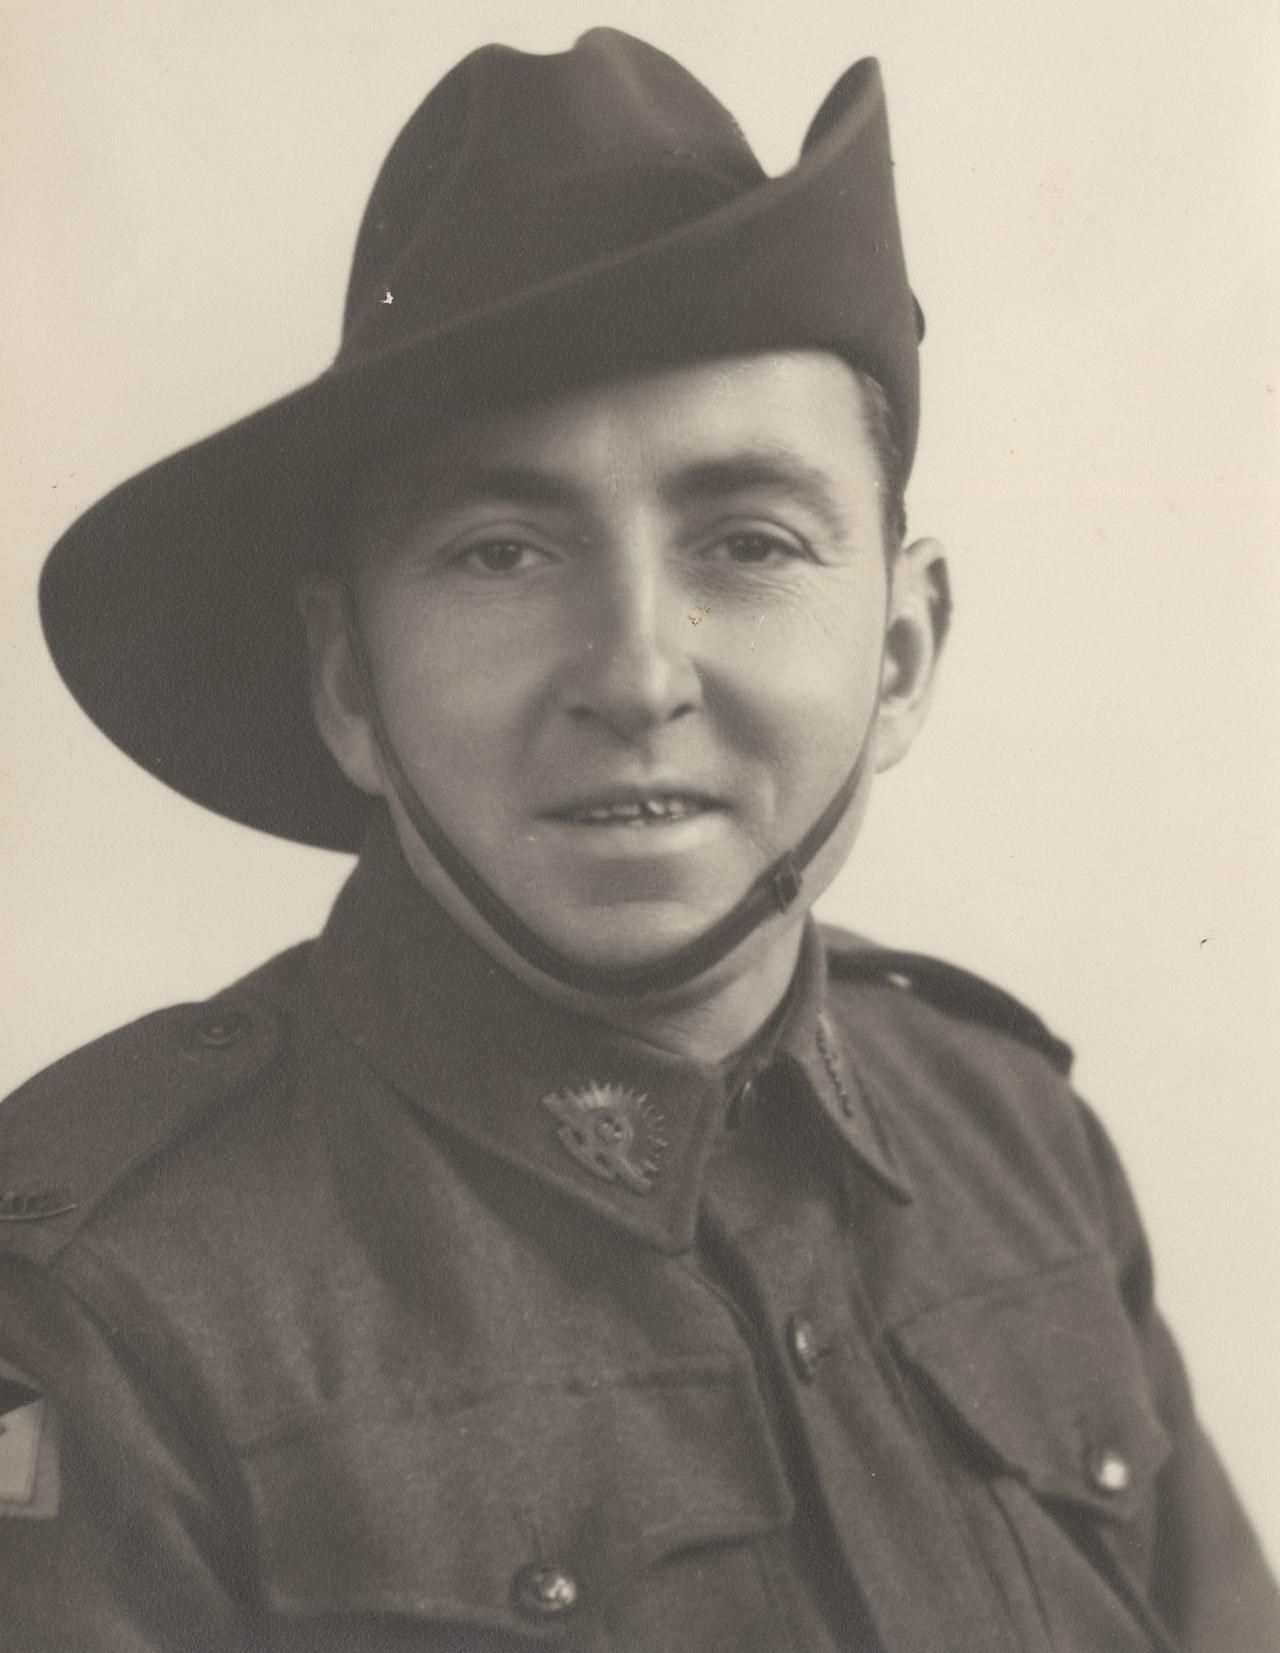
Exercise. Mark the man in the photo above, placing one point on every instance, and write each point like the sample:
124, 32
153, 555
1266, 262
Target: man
574, 1245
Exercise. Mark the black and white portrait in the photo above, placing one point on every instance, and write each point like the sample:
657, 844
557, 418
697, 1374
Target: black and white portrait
640, 789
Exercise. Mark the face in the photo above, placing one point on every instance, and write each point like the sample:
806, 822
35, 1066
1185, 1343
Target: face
628, 644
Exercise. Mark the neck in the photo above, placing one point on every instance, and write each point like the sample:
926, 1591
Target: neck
706, 1020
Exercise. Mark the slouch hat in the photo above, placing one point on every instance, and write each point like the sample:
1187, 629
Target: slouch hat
542, 222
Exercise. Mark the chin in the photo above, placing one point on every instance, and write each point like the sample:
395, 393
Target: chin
626, 935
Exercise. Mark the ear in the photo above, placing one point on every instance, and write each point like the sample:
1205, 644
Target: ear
337, 704
919, 614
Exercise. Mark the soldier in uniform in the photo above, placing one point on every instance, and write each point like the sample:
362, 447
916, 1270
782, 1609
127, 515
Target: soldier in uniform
576, 1246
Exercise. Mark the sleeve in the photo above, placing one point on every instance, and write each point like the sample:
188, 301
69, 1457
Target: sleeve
1209, 1581
115, 1534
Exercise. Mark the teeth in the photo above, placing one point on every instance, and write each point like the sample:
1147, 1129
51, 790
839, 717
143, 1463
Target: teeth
648, 809
614, 812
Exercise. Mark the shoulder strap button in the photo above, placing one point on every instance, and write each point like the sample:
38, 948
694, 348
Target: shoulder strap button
217, 1032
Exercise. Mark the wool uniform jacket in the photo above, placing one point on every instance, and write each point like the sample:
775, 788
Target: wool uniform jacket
378, 1304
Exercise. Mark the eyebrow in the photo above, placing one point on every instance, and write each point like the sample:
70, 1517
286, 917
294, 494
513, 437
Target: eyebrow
759, 470
450, 485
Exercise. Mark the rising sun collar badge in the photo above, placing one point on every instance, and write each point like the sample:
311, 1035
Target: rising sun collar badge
615, 1132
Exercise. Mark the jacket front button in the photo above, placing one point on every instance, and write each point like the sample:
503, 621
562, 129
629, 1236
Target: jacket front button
802, 1341
544, 1591
740, 1105
1109, 1471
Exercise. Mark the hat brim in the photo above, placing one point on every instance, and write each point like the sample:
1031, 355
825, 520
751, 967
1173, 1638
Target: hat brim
169, 606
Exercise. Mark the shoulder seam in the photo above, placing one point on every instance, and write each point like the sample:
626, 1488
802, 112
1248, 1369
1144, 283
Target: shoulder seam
953, 991
76, 1130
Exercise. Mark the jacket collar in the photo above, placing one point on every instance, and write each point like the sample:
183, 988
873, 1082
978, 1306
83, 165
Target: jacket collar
600, 1116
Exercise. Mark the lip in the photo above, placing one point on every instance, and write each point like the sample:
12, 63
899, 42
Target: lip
578, 804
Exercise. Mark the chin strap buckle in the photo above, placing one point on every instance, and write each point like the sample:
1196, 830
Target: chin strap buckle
784, 883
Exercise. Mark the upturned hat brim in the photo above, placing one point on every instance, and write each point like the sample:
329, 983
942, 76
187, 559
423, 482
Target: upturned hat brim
169, 606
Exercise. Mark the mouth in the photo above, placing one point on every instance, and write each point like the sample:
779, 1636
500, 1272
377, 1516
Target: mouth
634, 810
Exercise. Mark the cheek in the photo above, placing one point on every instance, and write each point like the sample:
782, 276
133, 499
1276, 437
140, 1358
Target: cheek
813, 664
452, 693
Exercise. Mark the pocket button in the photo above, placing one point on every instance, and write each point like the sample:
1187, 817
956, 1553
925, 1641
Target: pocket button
544, 1591
1109, 1470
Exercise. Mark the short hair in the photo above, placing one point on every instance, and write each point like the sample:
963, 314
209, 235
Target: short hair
882, 429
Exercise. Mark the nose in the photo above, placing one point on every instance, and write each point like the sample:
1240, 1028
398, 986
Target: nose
633, 670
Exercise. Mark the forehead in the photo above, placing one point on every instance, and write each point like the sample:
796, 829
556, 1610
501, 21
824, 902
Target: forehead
748, 422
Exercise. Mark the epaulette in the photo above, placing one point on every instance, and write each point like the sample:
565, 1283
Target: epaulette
948, 988
69, 1135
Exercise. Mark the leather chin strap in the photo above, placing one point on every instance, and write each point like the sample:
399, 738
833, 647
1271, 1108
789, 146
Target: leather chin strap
773, 892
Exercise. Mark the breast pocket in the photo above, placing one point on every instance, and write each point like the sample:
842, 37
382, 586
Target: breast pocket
603, 1510
1040, 1401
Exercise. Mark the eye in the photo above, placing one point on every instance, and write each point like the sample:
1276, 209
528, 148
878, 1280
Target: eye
496, 557
756, 548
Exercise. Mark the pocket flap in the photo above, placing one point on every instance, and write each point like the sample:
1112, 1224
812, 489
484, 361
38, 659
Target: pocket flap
446, 1509
1048, 1376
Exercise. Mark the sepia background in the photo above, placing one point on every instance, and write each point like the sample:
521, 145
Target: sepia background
1092, 818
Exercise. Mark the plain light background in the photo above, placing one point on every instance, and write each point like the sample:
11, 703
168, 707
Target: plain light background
1087, 192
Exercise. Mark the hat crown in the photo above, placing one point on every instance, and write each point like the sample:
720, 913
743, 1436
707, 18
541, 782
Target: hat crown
519, 167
